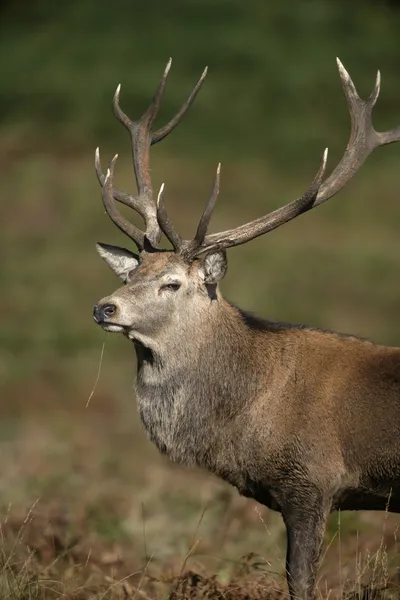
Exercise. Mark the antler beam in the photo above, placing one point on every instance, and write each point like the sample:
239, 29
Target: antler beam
362, 141
142, 138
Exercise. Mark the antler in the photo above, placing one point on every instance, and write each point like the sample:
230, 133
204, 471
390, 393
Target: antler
142, 138
363, 140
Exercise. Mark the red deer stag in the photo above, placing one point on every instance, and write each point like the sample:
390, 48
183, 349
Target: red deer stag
304, 421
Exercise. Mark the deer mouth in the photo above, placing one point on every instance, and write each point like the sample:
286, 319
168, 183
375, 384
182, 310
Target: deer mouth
112, 327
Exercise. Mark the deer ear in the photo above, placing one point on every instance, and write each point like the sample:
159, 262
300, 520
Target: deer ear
120, 260
213, 266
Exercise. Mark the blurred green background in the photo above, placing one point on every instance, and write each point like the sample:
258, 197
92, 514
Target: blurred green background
271, 103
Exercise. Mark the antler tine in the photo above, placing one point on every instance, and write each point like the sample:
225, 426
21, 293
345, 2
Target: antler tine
249, 231
109, 204
123, 197
142, 138
363, 137
206, 216
153, 108
161, 133
165, 224
141, 141
362, 141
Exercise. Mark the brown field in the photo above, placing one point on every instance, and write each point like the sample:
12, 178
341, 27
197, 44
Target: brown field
89, 508
91, 511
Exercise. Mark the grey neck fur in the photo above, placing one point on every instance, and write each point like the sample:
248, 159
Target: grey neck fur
189, 395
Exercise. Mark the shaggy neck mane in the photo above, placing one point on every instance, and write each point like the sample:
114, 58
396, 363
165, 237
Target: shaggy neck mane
217, 339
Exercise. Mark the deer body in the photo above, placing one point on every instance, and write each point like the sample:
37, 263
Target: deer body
246, 415
304, 421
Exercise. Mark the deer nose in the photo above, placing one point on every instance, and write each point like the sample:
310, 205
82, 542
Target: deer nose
103, 311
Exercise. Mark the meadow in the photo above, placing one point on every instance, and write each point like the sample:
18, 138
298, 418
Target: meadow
88, 508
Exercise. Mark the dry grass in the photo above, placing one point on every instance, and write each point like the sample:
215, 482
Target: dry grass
91, 511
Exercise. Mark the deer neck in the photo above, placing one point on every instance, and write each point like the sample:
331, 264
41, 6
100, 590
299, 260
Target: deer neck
188, 383
203, 343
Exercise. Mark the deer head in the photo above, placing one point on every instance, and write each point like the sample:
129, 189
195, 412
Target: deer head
164, 288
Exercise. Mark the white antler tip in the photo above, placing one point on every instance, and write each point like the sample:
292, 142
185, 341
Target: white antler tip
115, 158
160, 194
97, 153
341, 68
219, 168
167, 68
377, 87
204, 73
118, 90
325, 154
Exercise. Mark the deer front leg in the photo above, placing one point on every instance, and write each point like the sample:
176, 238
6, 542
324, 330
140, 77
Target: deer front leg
305, 526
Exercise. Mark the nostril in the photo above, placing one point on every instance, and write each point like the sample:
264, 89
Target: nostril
103, 312
109, 310
97, 314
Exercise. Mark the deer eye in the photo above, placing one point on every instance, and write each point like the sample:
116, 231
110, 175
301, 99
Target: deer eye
172, 287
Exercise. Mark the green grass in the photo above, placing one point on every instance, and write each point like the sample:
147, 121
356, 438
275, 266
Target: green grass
272, 90
271, 103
